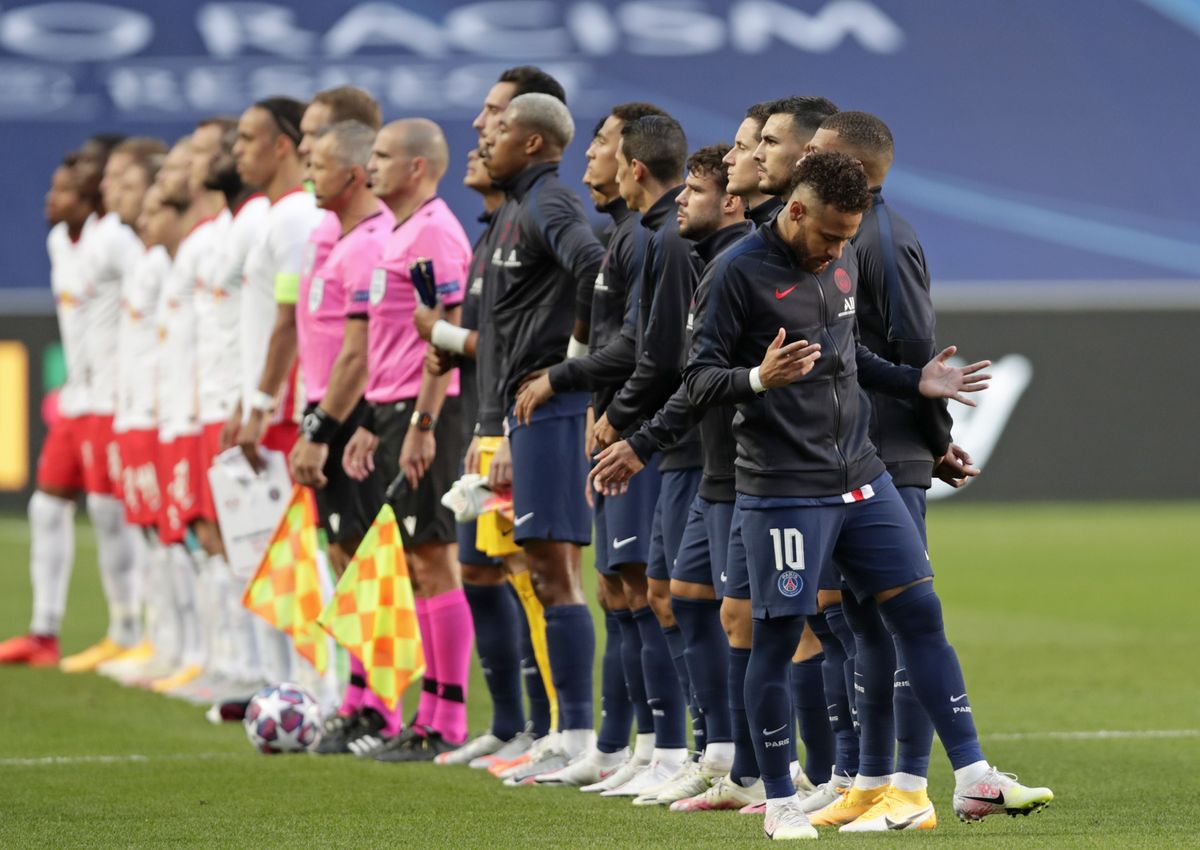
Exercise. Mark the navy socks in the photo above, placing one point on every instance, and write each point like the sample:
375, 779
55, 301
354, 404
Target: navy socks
497, 617
875, 669
616, 712
571, 642
663, 694
707, 656
768, 701
808, 696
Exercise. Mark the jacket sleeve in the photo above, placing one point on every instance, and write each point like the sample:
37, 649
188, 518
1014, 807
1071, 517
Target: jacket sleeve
882, 375
567, 233
657, 373
710, 376
908, 318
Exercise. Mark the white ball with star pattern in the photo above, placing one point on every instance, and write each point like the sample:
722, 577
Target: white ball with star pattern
283, 718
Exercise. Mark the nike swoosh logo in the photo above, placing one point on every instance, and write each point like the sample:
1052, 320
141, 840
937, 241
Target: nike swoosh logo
775, 731
617, 544
785, 293
908, 821
521, 520
957, 698
723, 579
998, 800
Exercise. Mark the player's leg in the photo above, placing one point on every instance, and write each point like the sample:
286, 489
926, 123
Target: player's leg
742, 788
883, 556
812, 715
837, 700
51, 545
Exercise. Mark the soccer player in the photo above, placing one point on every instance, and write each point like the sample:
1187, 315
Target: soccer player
743, 167
623, 522
810, 483
60, 472
713, 219
495, 607
544, 250
179, 435
896, 321
268, 159
327, 336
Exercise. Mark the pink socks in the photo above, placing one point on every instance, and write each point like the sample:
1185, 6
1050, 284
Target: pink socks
449, 634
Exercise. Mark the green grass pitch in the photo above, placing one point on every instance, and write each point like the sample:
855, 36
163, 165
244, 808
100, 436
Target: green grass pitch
1069, 620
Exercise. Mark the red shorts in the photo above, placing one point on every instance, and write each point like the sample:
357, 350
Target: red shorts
210, 447
281, 437
101, 460
60, 465
179, 476
139, 476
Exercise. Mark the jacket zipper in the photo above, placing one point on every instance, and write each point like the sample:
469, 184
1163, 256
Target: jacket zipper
837, 402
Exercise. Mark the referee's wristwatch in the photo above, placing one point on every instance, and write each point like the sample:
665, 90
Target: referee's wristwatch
422, 421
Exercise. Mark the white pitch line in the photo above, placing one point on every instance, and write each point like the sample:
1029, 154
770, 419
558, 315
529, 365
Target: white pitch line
44, 761
1093, 735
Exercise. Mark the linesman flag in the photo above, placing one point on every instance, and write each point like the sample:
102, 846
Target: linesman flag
286, 588
373, 614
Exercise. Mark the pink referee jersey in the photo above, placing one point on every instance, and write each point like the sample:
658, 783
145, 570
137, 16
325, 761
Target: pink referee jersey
395, 353
325, 293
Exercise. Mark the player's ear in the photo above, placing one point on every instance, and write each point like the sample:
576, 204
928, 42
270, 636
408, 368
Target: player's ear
639, 170
796, 209
534, 143
730, 204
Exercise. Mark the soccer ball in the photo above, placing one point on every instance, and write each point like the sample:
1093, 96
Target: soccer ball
283, 719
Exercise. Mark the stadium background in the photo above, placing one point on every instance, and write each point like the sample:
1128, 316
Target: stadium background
1041, 155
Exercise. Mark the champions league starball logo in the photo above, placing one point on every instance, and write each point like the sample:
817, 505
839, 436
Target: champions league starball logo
790, 583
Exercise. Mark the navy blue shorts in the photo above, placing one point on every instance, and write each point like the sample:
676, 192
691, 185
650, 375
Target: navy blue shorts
550, 473
656, 558
467, 553
914, 500
705, 544
627, 521
737, 574
675, 496
789, 541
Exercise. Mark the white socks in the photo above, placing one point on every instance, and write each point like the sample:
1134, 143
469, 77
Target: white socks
118, 568
183, 578
671, 759
51, 556
909, 782
576, 741
970, 773
643, 747
867, 783
718, 756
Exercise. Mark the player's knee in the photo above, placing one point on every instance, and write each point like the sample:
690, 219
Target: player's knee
808, 647
658, 593
736, 621
915, 611
480, 574
612, 590
825, 598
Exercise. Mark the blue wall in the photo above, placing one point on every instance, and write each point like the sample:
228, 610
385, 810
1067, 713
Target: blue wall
1035, 140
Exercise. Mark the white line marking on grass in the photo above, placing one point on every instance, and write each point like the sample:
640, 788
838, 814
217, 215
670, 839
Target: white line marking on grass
1093, 735
43, 761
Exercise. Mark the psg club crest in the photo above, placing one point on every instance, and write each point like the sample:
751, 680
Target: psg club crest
790, 583
378, 286
842, 278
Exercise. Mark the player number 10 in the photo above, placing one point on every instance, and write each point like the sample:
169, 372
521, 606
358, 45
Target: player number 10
789, 548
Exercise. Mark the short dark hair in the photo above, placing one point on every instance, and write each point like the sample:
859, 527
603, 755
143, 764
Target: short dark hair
836, 179
658, 142
709, 161
635, 109
529, 79
862, 131
808, 111
287, 113
760, 112
350, 103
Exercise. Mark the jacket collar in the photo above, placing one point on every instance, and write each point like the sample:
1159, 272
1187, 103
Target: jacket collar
519, 184
716, 242
764, 212
656, 216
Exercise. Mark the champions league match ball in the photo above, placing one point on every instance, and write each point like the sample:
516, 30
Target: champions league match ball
283, 718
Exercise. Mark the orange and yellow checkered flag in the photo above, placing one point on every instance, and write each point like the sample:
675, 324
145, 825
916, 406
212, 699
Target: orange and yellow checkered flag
373, 613
286, 588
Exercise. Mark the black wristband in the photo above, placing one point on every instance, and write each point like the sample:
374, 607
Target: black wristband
319, 427
368, 418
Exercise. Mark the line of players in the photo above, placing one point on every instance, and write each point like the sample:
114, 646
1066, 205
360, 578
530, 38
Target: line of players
715, 340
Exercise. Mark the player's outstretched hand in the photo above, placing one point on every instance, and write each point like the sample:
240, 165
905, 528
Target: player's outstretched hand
307, 462
956, 467
358, 459
941, 380
500, 471
614, 467
783, 364
535, 391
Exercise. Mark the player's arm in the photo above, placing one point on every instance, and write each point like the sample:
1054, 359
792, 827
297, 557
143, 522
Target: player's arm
420, 445
657, 373
710, 376
566, 231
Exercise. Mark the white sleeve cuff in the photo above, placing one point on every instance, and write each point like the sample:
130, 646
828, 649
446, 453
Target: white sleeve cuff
449, 337
755, 383
575, 348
